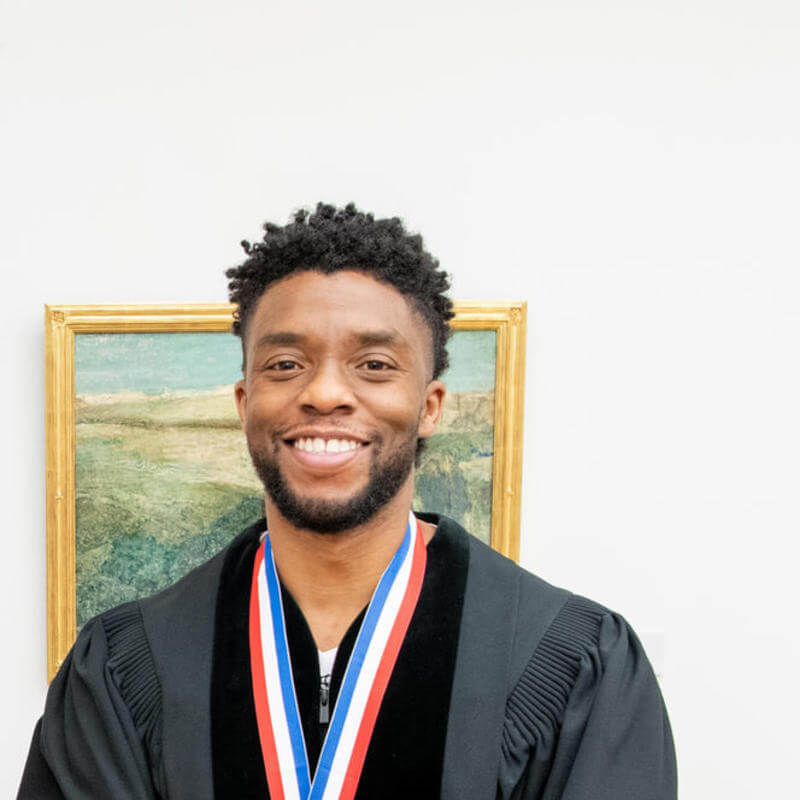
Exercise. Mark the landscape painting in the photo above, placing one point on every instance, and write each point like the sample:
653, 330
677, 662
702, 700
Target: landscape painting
162, 476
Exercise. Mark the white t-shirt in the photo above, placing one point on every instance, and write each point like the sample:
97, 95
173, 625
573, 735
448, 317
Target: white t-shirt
326, 660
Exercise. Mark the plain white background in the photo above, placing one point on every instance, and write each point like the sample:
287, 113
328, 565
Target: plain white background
630, 169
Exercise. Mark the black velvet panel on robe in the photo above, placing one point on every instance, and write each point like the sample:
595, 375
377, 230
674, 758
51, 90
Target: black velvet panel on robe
406, 752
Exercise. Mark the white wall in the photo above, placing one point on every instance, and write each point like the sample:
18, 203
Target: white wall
631, 169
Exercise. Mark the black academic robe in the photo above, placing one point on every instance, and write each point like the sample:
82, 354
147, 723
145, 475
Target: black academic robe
505, 687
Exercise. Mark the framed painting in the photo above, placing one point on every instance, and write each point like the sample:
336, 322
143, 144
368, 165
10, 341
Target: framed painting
148, 473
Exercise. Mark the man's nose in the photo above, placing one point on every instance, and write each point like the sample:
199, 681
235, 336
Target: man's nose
327, 389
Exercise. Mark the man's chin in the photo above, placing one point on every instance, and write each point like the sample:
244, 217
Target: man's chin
330, 515
324, 516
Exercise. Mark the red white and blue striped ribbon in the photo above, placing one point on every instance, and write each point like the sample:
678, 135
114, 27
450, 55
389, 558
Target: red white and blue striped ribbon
363, 686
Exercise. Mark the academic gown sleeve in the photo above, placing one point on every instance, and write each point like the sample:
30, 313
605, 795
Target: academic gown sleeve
586, 720
99, 735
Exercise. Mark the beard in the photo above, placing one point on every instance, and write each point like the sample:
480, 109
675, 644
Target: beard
333, 516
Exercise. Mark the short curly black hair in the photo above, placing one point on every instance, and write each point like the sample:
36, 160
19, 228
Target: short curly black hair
331, 239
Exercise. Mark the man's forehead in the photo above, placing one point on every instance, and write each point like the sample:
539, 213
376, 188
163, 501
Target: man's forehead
361, 307
339, 284
370, 306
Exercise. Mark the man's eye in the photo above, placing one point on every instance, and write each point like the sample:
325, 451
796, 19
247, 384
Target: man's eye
375, 366
283, 366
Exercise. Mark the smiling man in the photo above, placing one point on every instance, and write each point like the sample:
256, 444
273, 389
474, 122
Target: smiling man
345, 646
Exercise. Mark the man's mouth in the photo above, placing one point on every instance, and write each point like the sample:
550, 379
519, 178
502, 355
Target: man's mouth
319, 445
324, 453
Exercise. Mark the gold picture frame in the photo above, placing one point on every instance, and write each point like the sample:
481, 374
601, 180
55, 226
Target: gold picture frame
64, 322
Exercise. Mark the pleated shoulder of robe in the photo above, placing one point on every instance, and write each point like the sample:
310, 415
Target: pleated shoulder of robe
504, 687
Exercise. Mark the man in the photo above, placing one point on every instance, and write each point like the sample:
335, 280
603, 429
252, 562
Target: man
454, 673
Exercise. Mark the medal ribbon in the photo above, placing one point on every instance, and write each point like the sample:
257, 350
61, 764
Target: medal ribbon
363, 686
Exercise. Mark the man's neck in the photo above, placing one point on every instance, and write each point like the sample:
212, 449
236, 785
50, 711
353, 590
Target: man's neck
332, 576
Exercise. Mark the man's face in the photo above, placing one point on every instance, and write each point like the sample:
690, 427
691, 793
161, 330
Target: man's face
336, 393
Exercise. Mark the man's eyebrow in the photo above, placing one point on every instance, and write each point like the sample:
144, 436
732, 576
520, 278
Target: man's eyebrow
280, 337
390, 337
363, 338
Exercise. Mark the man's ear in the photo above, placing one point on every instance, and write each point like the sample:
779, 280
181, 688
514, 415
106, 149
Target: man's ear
431, 409
240, 395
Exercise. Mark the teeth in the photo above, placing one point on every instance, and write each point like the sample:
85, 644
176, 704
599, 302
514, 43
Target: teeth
319, 445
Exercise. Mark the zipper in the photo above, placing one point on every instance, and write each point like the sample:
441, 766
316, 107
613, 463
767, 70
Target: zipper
324, 699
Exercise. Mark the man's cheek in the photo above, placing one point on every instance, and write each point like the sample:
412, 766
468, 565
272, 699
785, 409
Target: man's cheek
258, 431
